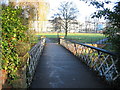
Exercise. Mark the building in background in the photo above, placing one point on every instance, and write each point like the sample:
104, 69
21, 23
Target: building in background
100, 27
76, 26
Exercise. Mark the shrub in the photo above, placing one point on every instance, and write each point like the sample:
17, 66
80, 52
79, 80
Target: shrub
13, 34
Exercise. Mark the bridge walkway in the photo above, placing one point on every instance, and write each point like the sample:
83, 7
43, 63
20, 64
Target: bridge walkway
58, 68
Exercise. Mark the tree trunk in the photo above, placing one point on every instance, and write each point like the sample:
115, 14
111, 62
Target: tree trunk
65, 33
58, 37
66, 28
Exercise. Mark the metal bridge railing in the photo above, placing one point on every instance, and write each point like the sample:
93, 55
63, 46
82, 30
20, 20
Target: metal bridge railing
32, 61
100, 60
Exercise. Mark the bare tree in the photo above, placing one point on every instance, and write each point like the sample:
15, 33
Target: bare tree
66, 13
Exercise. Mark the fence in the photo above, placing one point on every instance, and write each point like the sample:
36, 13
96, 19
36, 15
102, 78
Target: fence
32, 61
100, 60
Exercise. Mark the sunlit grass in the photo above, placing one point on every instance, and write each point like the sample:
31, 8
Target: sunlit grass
80, 37
90, 34
86, 37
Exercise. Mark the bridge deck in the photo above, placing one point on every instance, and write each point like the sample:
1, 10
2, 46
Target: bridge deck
58, 68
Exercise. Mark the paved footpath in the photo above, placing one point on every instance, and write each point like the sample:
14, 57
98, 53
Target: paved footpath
58, 68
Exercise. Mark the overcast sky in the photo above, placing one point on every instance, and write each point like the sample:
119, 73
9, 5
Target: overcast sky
84, 9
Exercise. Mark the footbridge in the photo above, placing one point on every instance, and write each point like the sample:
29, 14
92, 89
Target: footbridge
70, 65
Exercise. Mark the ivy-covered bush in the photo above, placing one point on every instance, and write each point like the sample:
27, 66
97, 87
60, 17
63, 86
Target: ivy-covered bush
13, 32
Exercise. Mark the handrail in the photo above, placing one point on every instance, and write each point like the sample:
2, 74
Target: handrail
100, 60
96, 48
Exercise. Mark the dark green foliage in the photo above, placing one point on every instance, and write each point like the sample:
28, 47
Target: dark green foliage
113, 29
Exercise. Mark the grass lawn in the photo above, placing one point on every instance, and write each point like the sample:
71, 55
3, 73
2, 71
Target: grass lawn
80, 37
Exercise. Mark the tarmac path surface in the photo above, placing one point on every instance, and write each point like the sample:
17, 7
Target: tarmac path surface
58, 68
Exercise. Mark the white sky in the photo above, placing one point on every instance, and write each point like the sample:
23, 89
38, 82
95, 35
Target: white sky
84, 9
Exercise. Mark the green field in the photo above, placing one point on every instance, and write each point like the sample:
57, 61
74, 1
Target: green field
80, 37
